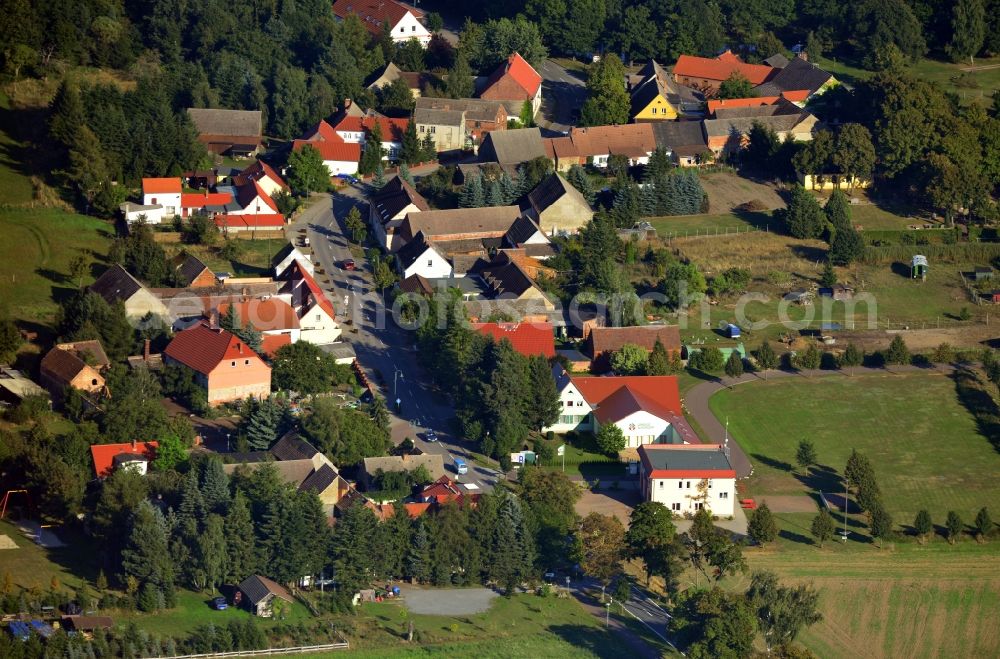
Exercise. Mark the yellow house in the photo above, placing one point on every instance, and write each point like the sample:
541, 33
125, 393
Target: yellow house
833, 182
656, 97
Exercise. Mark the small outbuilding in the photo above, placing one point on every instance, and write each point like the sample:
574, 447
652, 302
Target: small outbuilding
982, 273
259, 593
733, 331
918, 267
837, 292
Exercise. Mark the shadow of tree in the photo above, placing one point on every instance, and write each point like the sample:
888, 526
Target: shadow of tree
901, 269
972, 392
795, 537
771, 462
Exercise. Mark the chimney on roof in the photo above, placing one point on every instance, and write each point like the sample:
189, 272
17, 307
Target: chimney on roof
239, 347
347, 103
133, 446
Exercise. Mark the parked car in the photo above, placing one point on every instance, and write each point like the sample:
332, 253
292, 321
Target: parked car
347, 177
348, 264
220, 603
430, 436
461, 467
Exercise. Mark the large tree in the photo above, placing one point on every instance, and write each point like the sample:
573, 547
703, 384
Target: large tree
345, 436
854, 154
608, 101
968, 24
145, 556
782, 611
651, 533
306, 171
602, 546
804, 216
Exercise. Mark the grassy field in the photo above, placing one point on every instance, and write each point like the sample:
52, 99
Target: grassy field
15, 186
37, 247
970, 86
31, 566
525, 626
255, 260
584, 458
924, 445
905, 600
193, 610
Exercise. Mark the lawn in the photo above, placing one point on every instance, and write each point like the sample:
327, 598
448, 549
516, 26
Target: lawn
37, 248
906, 600
32, 566
523, 626
584, 458
255, 261
683, 226
193, 610
924, 445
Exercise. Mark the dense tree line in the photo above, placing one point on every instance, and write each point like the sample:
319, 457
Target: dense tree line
500, 395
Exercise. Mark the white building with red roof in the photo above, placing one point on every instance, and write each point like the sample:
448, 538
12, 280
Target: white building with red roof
133, 455
646, 408
357, 130
252, 209
161, 200
514, 82
376, 15
339, 156
264, 175
224, 366
529, 339
687, 478
317, 318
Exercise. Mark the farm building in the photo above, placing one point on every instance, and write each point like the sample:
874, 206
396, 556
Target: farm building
258, 593
918, 267
982, 273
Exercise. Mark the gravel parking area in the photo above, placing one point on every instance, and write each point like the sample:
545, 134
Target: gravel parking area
447, 601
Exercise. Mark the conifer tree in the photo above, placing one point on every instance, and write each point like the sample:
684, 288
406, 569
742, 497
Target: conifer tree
214, 486
418, 558
240, 540
473, 195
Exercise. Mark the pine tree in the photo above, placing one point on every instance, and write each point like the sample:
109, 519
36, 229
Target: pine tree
373, 153
214, 486
847, 247
494, 195
473, 194
829, 277
192, 505
514, 550
508, 189
146, 557
460, 79
838, 210
544, 403
734, 365
881, 524
954, 526
852, 357
418, 558
578, 179
659, 361
404, 172
983, 524
67, 115
897, 353
766, 359
923, 525
428, 149
805, 455
265, 424
411, 152
240, 540
378, 182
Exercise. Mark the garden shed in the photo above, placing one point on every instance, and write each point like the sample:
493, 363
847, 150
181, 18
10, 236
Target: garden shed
918, 267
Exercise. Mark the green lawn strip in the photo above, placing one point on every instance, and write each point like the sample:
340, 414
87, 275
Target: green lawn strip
15, 186
35, 254
583, 458
32, 566
193, 611
254, 261
681, 226
924, 445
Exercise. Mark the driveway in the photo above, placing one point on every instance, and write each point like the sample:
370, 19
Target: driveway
447, 601
384, 350
562, 93
609, 502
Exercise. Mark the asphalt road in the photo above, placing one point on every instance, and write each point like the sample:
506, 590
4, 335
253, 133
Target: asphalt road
562, 93
383, 349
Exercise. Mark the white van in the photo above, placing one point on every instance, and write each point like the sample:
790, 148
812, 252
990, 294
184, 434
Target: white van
461, 467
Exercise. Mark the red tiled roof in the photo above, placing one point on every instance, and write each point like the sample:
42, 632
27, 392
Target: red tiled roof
392, 129
518, 69
527, 338
202, 348
202, 199
270, 343
720, 68
797, 96
161, 185
262, 221
617, 397
104, 454
373, 12
741, 102
610, 339
339, 151
266, 315
319, 297
632, 140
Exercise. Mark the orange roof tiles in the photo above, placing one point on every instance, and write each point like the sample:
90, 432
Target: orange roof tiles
741, 102
202, 199
104, 455
202, 348
517, 69
161, 186
526, 338
267, 315
616, 397
372, 13
720, 68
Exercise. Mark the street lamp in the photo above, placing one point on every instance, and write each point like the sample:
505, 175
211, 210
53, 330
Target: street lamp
398, 375
607, 612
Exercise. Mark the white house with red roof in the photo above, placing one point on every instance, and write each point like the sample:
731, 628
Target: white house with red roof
264, 175
514, 82
317, 318
357, 130
252, 209
204, 202
161, 200
224, 366
687, 478
273, 317
339, 156
403, 22
134, 455
647, 409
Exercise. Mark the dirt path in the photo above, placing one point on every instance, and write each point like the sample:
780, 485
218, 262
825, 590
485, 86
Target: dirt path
976, 69
713, 432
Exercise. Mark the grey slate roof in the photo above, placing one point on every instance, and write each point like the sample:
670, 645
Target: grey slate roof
411, 252
293, 447
190, 268
507, 280
257, 588
687, 458
552, 188
116, 284
797, 74
468, 221
437, 117
777, 61
475, 109
319, 480
780, 124
510, 147
683, 137
522, 229
235, 123
394, 196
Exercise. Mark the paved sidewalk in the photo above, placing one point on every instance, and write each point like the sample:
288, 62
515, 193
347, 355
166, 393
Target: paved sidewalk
714, 432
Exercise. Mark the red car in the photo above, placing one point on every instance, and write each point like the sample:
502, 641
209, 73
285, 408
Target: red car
348, 264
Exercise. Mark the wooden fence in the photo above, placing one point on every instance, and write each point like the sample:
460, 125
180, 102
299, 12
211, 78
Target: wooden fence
267, 651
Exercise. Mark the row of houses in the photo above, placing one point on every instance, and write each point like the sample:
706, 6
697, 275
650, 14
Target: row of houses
245, 204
